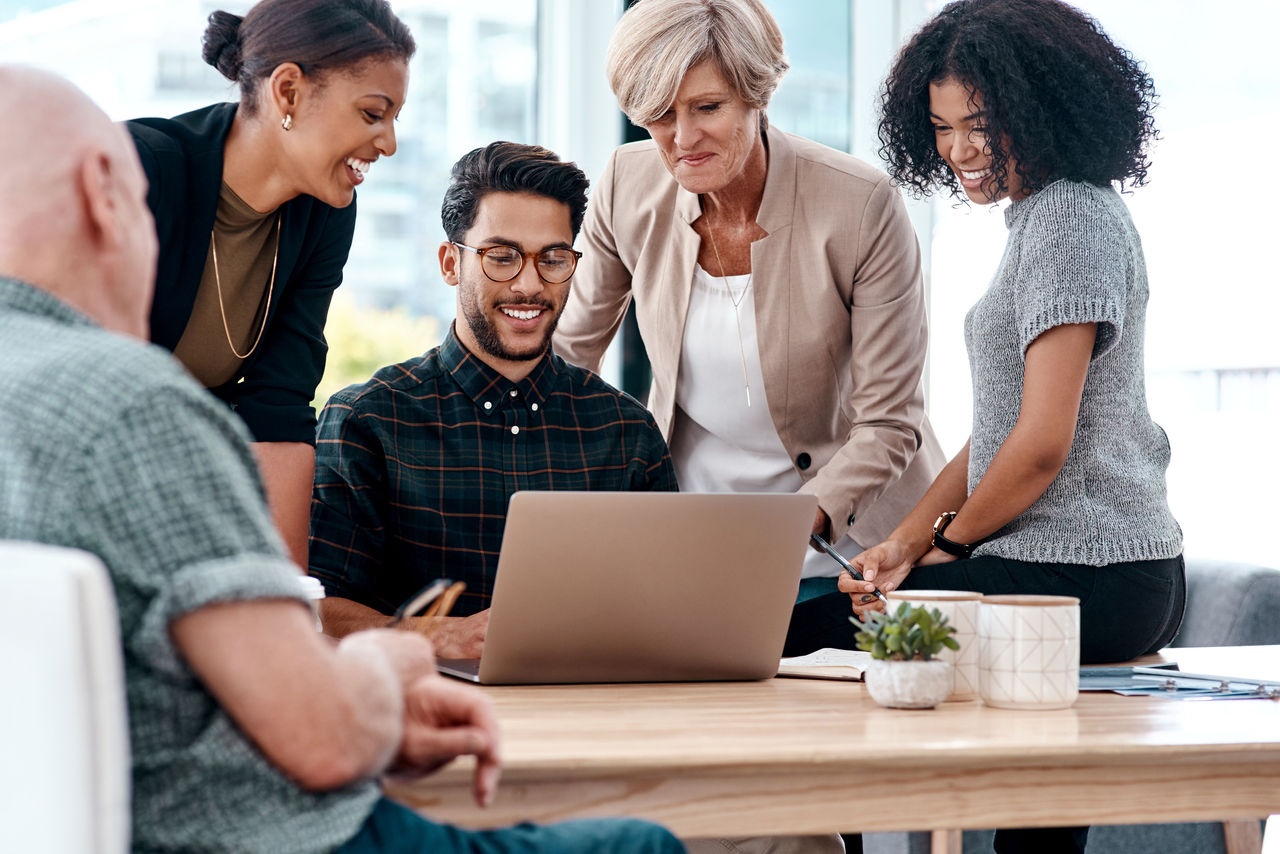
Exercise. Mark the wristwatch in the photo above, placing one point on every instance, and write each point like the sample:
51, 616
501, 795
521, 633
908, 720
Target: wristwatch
951, 547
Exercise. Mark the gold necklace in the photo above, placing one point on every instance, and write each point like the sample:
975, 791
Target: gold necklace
217, 278
742, 352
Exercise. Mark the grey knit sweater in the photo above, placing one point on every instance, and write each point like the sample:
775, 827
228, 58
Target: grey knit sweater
1073, 256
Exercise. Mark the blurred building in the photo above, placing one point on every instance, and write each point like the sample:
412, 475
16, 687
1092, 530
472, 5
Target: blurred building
472, 81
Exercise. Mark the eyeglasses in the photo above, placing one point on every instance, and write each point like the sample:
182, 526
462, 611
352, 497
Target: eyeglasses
503, 263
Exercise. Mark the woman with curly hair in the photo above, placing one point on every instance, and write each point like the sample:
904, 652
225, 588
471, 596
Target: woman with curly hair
1061, 487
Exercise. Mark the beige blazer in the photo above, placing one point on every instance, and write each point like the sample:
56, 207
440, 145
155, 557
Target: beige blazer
840, 311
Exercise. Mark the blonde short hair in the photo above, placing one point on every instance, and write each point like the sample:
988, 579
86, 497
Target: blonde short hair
658, 41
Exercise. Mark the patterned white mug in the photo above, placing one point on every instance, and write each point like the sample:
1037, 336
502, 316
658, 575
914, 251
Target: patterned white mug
1030, 651
961, 609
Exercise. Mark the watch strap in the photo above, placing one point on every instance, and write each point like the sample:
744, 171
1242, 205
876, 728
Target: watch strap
942, 543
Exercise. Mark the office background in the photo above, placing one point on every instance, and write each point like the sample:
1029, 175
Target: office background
532, 71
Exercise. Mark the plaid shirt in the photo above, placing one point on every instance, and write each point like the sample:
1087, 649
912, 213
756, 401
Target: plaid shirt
414, 468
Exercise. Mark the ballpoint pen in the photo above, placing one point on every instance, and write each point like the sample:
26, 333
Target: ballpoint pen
848, 567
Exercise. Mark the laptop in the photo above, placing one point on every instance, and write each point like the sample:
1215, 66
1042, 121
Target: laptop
642, 587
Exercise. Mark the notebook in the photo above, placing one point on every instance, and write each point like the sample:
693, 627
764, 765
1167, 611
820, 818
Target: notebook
840, 664
642, 587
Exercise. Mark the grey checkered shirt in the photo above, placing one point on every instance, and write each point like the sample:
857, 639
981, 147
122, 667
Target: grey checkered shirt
108, 446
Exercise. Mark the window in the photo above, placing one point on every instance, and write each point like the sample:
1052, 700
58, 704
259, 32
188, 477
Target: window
524, 71
813, 99
473, 80
185, 72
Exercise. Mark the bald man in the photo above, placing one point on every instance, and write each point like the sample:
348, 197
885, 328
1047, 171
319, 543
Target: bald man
249, 731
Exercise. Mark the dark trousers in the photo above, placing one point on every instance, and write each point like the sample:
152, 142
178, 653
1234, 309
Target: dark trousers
1126, 610
393, 829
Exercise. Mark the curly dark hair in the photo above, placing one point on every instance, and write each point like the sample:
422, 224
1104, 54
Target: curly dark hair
1065, 99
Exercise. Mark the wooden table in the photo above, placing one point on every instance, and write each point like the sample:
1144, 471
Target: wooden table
807, 756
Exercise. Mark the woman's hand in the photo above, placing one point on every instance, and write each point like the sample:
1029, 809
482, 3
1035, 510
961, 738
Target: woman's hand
883, 566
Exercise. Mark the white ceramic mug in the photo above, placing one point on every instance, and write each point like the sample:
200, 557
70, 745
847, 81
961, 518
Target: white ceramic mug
961, 610
1029, 651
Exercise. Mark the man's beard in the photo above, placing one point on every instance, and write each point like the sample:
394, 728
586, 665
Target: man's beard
487, 336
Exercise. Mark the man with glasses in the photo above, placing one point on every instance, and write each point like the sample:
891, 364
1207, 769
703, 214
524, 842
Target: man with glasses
414, 469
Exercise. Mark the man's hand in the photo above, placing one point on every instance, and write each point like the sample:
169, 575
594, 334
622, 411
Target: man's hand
444, 720
460, 637
410, 653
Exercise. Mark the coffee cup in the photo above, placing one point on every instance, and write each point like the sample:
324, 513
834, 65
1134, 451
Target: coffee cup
1029, 651
960, 607
313, 591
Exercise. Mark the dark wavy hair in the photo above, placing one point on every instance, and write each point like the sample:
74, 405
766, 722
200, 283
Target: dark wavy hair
321, 36
1065, 99
510, 167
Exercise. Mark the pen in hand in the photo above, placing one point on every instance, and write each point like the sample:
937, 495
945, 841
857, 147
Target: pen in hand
848, 567
418, 601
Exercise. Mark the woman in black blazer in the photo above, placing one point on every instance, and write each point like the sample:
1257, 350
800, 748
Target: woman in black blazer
254, 205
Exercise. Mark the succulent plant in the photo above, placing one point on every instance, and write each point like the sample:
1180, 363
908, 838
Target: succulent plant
905, 634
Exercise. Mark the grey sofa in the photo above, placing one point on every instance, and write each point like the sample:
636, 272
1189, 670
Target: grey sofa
1228, 604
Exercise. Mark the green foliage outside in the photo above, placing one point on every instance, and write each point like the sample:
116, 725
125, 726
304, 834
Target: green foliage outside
362, 340
905, 634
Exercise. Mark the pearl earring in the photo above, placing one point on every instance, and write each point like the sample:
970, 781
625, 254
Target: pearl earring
287, 122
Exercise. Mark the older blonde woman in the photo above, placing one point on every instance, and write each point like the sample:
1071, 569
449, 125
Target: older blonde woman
777, 283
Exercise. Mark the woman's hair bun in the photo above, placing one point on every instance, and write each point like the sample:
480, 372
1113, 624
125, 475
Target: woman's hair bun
221, 44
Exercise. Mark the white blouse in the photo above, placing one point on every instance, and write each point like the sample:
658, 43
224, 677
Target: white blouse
718, 442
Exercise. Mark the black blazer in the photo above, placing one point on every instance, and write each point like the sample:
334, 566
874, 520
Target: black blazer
272, 391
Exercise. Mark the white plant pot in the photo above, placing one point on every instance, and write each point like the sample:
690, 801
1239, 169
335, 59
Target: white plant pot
909, 684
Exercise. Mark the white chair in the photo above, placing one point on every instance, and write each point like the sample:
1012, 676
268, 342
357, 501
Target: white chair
64, 741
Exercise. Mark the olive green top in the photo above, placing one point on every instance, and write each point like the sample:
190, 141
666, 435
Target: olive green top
246, 242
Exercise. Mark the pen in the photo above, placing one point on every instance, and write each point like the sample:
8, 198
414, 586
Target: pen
419, 601
848, 567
